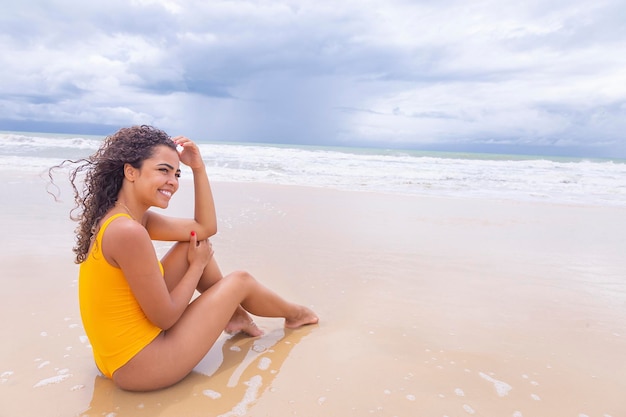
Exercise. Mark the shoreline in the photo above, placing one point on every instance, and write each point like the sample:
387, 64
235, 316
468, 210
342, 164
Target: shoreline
538, 179
433, 305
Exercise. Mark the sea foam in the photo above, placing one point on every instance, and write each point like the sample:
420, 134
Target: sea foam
558, 180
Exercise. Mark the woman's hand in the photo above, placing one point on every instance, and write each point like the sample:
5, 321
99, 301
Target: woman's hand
199, 252
190, 154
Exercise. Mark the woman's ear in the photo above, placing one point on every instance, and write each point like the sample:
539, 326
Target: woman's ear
130, 172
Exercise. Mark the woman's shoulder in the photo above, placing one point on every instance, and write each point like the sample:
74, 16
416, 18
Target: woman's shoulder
122, 221
121, 234
115, 219
122, 228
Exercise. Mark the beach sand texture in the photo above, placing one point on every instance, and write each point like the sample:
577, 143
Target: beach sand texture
428, 306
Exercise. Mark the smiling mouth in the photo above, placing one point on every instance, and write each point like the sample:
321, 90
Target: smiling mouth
166, 193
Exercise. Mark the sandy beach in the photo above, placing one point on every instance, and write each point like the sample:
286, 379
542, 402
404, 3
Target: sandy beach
429, 307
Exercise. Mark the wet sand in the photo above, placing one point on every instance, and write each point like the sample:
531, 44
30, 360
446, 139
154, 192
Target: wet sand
428, 306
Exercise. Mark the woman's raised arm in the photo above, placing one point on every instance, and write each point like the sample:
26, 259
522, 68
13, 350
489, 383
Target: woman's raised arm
204, 223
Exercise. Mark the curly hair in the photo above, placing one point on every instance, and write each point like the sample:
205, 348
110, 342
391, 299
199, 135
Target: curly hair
102, 175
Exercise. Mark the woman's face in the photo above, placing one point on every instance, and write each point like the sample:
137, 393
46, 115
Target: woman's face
157, 180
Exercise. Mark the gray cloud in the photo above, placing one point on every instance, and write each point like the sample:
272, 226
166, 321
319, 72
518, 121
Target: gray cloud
395, 73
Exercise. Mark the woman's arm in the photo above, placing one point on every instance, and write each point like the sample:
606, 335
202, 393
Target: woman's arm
204, 222
126, 244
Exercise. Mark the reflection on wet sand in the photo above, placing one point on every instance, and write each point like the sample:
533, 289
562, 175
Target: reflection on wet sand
226, 383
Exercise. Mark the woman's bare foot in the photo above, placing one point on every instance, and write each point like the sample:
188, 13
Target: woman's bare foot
242, 322
302, 317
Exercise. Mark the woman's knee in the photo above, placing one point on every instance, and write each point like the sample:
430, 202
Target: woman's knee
241, 277
177, 250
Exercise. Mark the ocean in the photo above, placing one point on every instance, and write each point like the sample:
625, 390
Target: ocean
463, 175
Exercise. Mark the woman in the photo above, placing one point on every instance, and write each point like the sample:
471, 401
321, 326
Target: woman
136, 310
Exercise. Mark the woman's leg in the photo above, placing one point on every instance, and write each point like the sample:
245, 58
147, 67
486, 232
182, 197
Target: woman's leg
175, 265
175, 352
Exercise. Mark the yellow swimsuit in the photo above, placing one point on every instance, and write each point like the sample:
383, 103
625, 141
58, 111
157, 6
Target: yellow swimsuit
115, 324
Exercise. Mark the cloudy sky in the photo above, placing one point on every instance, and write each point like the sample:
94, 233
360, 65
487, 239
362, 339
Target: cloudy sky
536, 76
